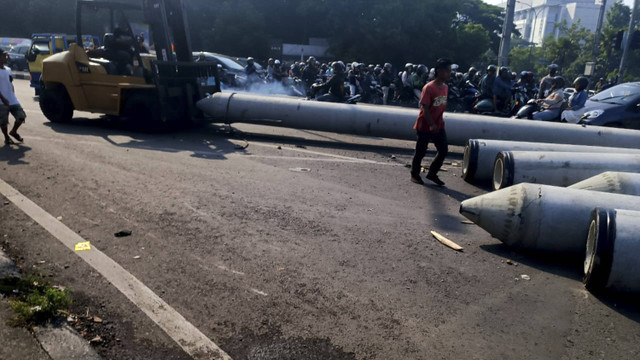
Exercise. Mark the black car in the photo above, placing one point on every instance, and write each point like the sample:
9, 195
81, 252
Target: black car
17, 58
618, 106
234, 75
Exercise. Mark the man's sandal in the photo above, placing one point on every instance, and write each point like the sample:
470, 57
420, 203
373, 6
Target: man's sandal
17, 137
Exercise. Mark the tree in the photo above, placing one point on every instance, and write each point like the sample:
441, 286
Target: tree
609, 59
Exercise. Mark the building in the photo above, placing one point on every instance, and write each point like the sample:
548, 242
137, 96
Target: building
537, 19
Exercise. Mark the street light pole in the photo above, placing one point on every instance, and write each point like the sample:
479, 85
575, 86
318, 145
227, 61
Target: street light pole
625, 53
507, 28
596, 39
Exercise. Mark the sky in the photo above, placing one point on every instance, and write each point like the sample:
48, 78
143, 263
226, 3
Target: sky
496, 2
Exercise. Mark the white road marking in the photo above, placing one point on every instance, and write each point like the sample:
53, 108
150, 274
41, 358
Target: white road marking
188, 337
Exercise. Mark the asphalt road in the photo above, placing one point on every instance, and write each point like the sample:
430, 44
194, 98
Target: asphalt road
271, 261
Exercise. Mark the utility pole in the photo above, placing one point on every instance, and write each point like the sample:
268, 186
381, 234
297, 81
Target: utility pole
625, 53
507, 28
596, 39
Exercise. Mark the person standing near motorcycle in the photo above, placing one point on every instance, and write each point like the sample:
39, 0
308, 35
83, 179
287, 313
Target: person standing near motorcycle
430, 124
407, 86
545, 83
310, 73
353, 78
486, 85
577, 100
471, 76
386, 79
365, 79
528, 83
251, 71
502, 90
335, 84
552, 105
419, 80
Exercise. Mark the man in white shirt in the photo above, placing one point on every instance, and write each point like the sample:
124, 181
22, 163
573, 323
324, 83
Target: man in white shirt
9, 103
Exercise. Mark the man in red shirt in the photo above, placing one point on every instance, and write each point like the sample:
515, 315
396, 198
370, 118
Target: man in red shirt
430, 124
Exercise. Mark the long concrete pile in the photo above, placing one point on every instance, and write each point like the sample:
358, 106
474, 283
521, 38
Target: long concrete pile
527, 161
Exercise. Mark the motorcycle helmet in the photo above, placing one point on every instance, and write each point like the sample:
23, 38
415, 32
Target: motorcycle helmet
472, 70
338, 67
553, 68
558, 82
277, 62
421, 69
408, 66
377, 70
504, 69
250, 60
581, 82
388, 66
491, 68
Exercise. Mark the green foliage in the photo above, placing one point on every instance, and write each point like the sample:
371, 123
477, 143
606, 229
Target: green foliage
35, 301
573, 49
372, 31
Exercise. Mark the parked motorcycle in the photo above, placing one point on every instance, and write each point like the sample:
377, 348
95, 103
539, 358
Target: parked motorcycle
462, 98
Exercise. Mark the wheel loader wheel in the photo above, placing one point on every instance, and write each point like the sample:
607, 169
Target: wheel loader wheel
142, 112
56, 104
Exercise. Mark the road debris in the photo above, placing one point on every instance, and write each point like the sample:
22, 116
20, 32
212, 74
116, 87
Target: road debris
467, 222
96, 340
242, 147
137, 257
300, 169
392, 157
123, 233
83, 246
59, 218
525, 277
97, 320
446, 241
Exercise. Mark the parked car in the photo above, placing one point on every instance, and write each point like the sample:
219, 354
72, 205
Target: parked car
234, 75
618, 106
17, 58
45, 45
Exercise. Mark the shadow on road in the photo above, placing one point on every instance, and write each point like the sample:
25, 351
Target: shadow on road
569, 267
13, 154
566, 266
214, 141
212, 144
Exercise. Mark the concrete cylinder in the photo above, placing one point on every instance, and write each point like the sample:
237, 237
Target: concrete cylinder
397, 123
541, 217
612, 182
612, 251
556, 168
480, 154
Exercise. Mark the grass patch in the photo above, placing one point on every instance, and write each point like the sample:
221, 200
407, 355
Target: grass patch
34, 300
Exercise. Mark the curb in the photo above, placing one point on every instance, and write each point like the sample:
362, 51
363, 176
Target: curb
60, 343
21, 76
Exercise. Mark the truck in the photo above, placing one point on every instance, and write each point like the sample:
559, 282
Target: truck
45, 45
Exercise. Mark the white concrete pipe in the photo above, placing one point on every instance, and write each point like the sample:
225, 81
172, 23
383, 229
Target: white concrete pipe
542, 217
557, 168
613, 247
612, 182
480, 154
397, 123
